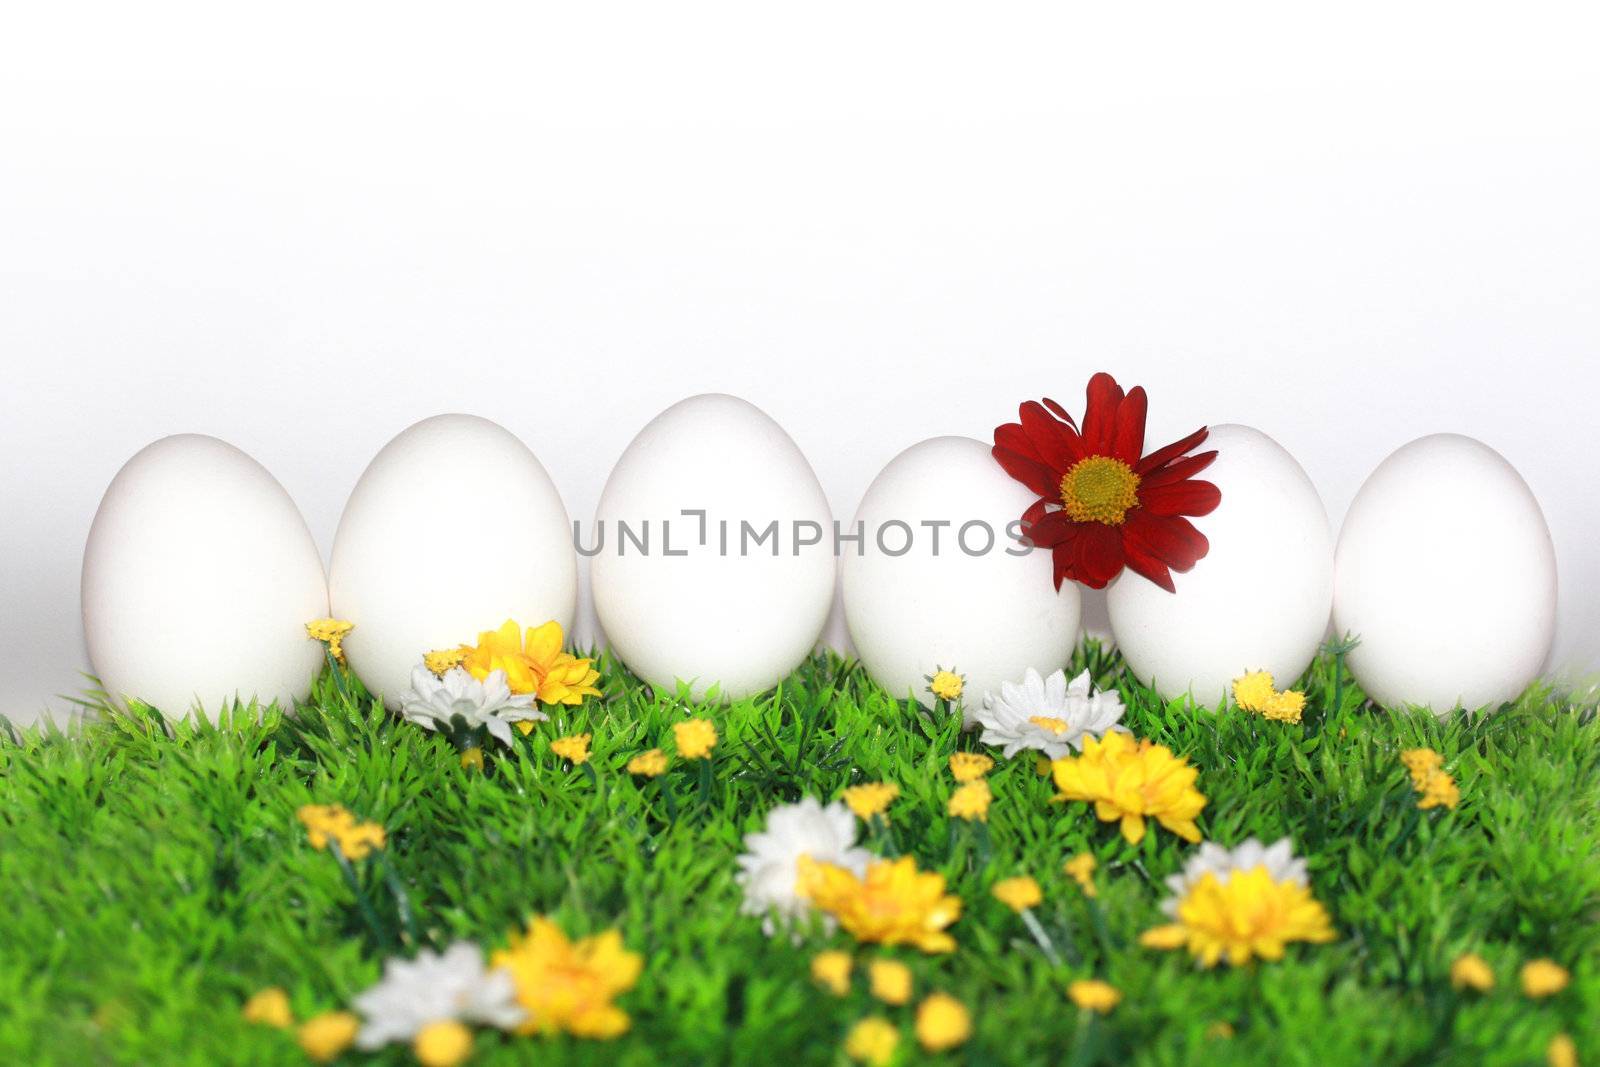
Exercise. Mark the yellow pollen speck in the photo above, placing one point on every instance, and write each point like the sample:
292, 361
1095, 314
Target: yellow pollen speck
1471, 971
1544, 978
831, 971
1091, 994
326, 1036
890, 981
971, 801
649, 764
1080, 869
1050, 723
872, 798
968, 766
695, 738
943, 1022
574, 748
1018, 894
1099, 489
872, 1041
270, 1007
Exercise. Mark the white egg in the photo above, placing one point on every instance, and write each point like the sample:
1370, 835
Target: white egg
198, 579
453, 528
716, 566
1446, 574
940, 579
1258, 600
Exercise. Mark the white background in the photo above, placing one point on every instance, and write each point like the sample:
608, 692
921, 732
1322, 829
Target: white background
304, 228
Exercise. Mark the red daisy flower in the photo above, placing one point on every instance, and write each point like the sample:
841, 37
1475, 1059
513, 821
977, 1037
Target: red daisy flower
1105, 505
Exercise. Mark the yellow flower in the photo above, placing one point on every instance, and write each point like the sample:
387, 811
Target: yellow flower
443, 1044
1422, 763
331, 633
533, 663
568, 985
270, 1007
472, 758
1471, 971
1438, 789
872, 1041
574, 747
1561, 1052
1543, 978
1091, 994
1080, 869
1018, 894
649, 764
327, 1035
1286, 706
946, 685
1254, 691
870, 799
1129, 780
969, 766
441, 660
330, 822
831, 971
1246, 917
971, 801
695, 738
1219, 1030
890, 981
943, 1022
895, 904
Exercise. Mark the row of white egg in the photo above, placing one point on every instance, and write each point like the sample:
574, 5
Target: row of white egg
200, 572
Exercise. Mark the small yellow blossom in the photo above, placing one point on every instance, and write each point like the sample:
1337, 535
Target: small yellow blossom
443, 1044
1249, 916
567, 985
872, 1041
1562, 1051
971, 801
1422, 763
946, 685
871, 799
895, 904
472, 758
969, 766
330, 822
890, 981
1287, 706
574, 747
270, 1007
533, 662
1543, 978
649, 764
1080, 869
943, 1022
1438, 789
1471, 971
331, 633
831, 971
439, 661
695, 738
1128, 780
1220, 1030
1018, 894
1254, 691
1091, 994
326, 1036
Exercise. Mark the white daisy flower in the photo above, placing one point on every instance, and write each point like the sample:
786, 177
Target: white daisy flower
433, 702
770, 868
1047, 714
1279, 859
433, 988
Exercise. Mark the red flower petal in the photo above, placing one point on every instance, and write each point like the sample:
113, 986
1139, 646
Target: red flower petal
1179, 470
1172, 540
1057, 445
1183, 498
1030, 472
1161, 456
1141, 562
1098, 556
1128, 441
1100, 414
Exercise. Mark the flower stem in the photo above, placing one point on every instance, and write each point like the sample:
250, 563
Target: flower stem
368, 915
705, 784
1040, 937
402, 900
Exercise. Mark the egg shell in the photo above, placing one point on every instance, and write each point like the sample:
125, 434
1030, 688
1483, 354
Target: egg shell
198, 579
738, 620
1446, 573
453, 528
1260, 598
989, 615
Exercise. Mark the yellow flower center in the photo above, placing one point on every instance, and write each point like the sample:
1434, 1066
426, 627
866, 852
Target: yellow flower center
1099, 489
1047, 722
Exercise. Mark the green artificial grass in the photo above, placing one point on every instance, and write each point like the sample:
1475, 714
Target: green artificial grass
153, 878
